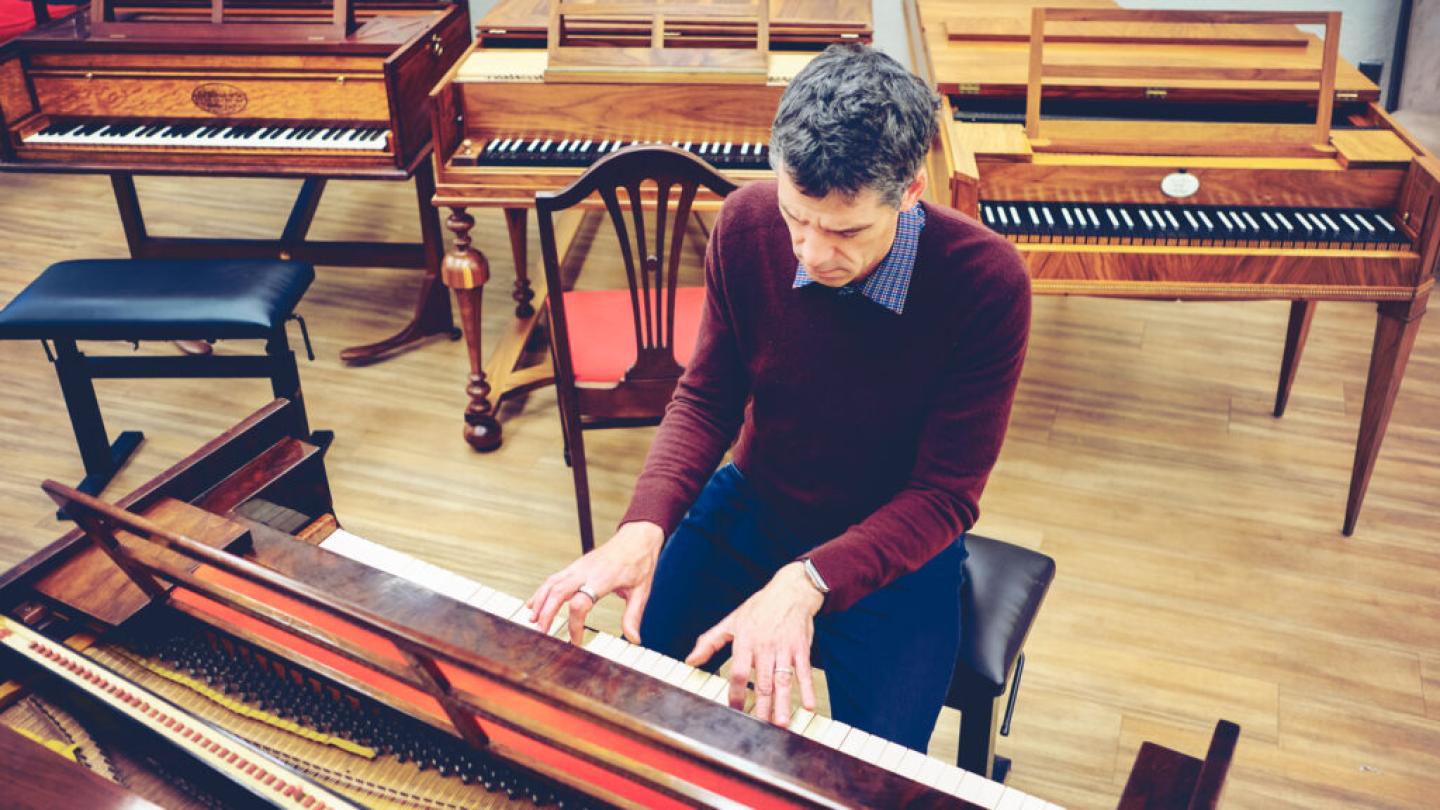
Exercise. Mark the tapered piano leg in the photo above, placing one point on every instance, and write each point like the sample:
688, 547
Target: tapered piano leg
1396, 326
465, 271
432, 304
1301, 312
523, 295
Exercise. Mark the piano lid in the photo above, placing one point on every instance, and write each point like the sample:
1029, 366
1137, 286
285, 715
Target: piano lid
793, 23
982, 48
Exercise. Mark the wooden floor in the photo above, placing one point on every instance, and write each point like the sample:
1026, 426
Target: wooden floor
1201, 569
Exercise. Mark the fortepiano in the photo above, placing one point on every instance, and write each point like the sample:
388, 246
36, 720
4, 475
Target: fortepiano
505, 132
269, 91
1191, 156
216, 638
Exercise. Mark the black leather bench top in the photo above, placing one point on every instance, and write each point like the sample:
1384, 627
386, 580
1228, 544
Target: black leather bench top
154, 299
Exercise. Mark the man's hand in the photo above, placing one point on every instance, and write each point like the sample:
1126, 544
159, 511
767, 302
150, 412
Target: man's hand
624, 565
770, 634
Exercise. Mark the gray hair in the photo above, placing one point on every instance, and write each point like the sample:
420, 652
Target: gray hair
854, 118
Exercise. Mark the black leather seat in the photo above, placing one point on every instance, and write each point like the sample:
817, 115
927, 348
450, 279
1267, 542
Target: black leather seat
150, 299
1004, 587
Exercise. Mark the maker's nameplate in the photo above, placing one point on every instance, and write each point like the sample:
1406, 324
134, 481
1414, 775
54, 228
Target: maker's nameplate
218, 98
1180, 184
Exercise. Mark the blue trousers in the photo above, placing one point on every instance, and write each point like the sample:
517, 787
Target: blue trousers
887, 659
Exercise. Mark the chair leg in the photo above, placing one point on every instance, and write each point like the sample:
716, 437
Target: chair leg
102, 460
977, 735
285, 374
576, 446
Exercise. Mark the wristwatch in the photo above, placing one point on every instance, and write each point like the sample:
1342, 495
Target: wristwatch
815, 578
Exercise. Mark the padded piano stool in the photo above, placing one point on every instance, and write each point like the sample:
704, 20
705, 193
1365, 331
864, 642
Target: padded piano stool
1004, 586
148, 299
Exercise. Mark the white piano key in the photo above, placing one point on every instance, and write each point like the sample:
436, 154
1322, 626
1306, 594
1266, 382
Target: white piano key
696, 681
1000, 212
727, 148
1015, 215
1033, 803
1190, 218
1010, 800
717, 689
800, 720
1210, 226
1034, 220
1174, 223
949, 779
1365, 223
821, 728
1349, 222
1280, 215
1274, 226
1144, 217
872, 749
647, 660
1385, 223
1094, 222
1251, 220
988, 215
890, 756
980, 791
1159, 220
1049, 220
931, 773
855, 742
679, 673
911, 763
600, 642
1069, 223
834, 733
631, 655
1114, 223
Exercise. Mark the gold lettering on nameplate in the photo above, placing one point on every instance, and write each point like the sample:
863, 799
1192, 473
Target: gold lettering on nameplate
218, 98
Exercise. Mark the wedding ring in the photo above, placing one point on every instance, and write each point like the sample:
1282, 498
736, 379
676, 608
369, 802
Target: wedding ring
786, 670
585, 589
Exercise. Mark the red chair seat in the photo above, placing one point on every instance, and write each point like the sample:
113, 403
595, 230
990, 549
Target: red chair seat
16, 17
602, 331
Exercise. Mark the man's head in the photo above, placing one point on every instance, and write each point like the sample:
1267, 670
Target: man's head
849, 144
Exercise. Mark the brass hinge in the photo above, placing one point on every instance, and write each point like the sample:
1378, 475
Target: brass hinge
1347, 95
968, 89
1156, 92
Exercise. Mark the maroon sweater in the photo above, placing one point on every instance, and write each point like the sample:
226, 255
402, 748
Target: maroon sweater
870, 434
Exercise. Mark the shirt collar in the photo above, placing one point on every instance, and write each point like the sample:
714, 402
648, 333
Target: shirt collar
890, 281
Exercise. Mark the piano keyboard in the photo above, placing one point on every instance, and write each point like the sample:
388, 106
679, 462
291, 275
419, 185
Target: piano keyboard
1213, 225
914, 765
243, 764
201, 135
533, 151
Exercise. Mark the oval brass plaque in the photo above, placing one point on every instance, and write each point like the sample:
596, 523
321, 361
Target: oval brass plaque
218, 98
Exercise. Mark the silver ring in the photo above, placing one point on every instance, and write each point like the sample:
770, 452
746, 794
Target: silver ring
585, 590
786, 670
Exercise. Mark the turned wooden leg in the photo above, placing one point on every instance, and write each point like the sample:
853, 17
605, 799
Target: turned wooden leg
523, 295
465, 271
1396, 326
1301, 313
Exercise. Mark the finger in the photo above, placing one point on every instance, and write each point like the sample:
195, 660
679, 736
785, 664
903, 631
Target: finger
558, 596
806, 677
709, 643
634, 611
780, 714
538, 598
579, 608
740, 662
764, 685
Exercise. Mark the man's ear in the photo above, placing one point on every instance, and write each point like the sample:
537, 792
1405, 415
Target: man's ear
915, 189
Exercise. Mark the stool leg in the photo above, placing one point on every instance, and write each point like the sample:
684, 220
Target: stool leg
101, 459
284, 374
977, 735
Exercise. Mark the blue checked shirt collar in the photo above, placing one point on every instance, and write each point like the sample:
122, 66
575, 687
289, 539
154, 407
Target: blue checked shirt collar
890, 281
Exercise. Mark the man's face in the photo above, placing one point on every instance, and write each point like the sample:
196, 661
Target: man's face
840, 239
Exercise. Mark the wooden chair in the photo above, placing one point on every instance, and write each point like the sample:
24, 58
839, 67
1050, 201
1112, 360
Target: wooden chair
603, 377
1004, 587
1164, 778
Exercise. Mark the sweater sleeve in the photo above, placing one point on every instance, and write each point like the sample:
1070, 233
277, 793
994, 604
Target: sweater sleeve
960, 440
705, 412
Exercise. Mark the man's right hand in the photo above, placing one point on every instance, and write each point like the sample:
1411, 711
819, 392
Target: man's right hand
623, 565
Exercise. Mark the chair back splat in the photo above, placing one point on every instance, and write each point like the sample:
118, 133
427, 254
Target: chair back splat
601, 380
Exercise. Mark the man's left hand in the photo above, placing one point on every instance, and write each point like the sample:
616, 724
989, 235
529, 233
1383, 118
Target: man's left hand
770, 634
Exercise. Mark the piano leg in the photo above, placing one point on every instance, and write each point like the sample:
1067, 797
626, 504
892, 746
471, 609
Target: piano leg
523, 295
465, 271
432, 305
1301, 313
1397, 324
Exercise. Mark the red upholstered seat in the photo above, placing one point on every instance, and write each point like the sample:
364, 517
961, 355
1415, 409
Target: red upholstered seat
602, 331
16, 17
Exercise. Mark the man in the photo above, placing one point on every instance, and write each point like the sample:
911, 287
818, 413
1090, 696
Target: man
866, 348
